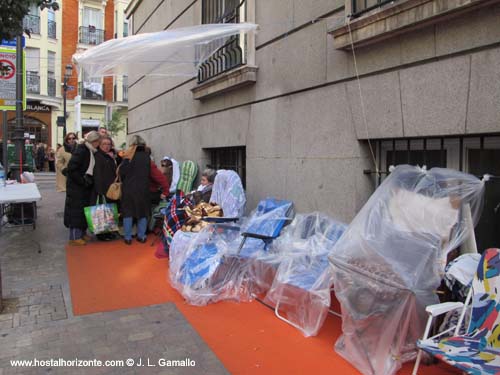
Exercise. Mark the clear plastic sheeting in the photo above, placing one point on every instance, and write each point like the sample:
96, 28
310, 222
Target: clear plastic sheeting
228, 193
391, 259
176, 52
301, 288
213, 265
209, 270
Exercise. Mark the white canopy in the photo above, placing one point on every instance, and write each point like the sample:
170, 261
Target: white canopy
176, 52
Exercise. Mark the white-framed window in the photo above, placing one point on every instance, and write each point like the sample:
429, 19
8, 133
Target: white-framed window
33, 70
51, 24
93, 17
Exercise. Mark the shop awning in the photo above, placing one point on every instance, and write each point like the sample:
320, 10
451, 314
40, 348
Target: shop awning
176, 52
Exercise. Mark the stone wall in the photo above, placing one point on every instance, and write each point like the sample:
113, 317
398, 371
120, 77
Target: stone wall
301, 122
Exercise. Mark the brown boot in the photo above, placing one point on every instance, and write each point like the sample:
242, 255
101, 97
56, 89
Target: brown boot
79, 242
86, 238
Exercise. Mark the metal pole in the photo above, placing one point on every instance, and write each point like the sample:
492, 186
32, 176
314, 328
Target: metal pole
5, 132
65, 88
18, 137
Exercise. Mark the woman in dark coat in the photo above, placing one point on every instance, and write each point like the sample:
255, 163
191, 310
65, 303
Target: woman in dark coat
104, 176
104, 170
79, 187
135, 202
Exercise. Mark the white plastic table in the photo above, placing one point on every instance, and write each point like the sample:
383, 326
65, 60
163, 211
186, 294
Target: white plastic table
19, 193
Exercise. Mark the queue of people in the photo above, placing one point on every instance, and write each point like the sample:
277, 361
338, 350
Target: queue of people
87, 168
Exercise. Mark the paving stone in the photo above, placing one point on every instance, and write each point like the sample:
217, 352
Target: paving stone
43, 325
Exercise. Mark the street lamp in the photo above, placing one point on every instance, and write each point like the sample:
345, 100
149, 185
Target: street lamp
67, 75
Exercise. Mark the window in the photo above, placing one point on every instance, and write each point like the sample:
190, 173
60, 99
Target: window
481, 161
125, 29
91, 88
477, 155
51, 24
232, 54
92, 31
233, 158
361, 6
33, 70
32, 20
125, 88
93, 17
51, 74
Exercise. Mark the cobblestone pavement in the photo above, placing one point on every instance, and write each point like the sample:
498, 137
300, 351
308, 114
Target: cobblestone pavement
37, 320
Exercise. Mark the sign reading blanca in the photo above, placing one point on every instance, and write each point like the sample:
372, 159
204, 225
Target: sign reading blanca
37, 107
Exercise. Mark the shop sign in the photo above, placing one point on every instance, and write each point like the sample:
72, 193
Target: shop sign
90, 122
37, 107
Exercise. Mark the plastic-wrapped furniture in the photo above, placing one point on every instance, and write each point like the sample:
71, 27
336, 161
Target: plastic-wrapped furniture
300, 292
477, 351
227, 192
213, 267
391, 259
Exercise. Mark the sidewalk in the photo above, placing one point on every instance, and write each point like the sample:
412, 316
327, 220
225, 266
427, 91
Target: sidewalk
38, 322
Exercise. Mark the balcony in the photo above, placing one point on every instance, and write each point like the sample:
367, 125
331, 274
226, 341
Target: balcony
230, 55
377, 20
226, 58
90, 35
32, 82
51, 87
91, 90
32, 23
52, 30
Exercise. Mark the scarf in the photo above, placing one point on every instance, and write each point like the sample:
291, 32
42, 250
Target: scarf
92, 149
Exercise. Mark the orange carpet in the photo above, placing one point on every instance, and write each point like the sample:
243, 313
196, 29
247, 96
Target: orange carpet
246, 337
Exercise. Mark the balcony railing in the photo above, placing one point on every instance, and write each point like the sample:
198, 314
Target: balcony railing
33, 82
90, 35
51, 86
32, 23
52, 30
230, 55
91, 90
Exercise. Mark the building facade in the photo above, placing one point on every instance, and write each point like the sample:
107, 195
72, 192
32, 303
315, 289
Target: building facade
87, 23
42, 60
329, 92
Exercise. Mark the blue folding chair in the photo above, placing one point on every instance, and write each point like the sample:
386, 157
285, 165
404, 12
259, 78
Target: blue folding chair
215, 267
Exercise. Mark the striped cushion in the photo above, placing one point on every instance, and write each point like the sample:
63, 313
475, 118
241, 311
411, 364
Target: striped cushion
189, 170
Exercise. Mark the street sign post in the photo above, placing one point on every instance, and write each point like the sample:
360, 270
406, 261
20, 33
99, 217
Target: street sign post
8, 73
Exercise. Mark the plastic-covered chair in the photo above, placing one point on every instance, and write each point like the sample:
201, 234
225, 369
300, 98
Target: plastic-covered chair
300, 292
227, 192
213, 267
391, 259
477, 351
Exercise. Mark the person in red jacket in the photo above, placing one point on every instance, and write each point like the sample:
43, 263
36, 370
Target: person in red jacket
158, 184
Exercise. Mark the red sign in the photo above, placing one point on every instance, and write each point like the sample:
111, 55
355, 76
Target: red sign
7, 69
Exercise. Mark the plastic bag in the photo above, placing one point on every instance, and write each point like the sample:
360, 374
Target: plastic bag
102, 218
391, 259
